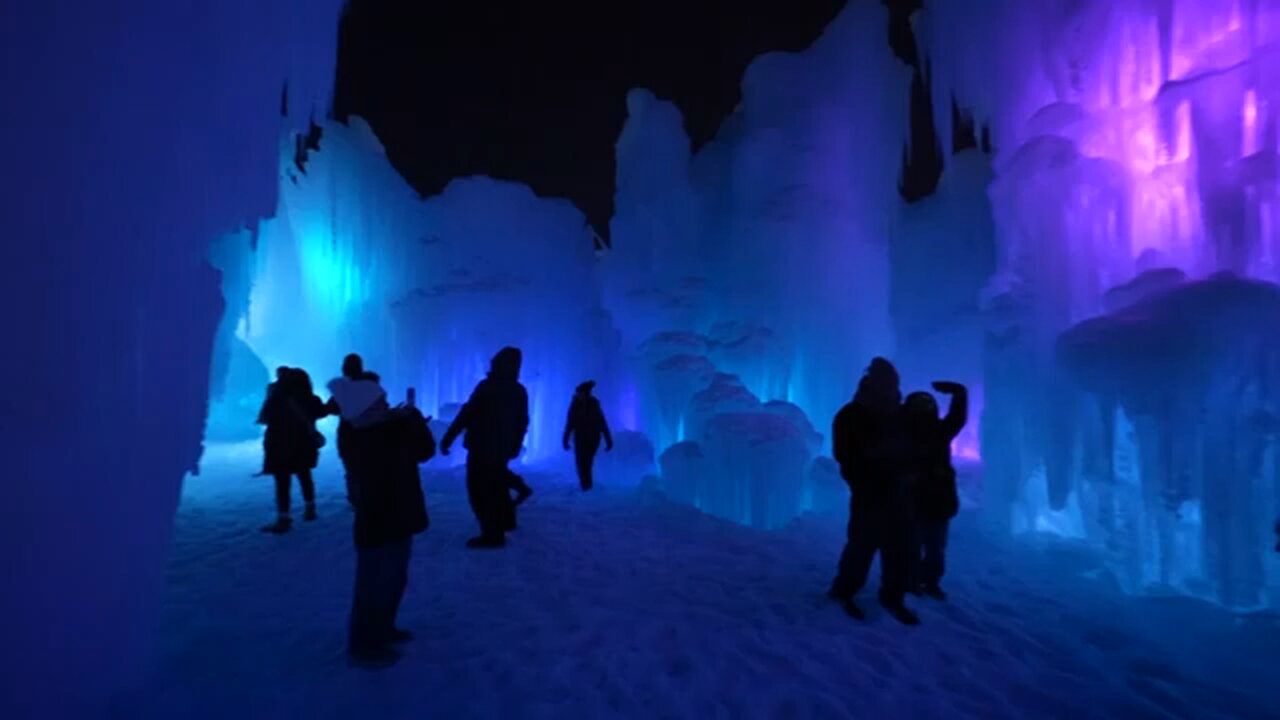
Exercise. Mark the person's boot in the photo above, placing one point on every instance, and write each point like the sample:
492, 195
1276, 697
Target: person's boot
281, 526
847, 604
310, 513
934, 591
900, 612
486, 542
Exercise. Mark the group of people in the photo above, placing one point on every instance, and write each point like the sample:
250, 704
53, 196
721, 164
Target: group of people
895, 456
381, 448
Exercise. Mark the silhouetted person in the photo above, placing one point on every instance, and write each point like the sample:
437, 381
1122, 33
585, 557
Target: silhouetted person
587, 427
384, 447
933, 480
869, 444
357, 385
495, 419
292, 443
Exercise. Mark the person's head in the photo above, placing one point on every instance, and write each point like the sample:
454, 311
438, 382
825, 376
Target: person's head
584, 389
352, 366
880, 384
302, 381
282, 373
921, 408
506, 364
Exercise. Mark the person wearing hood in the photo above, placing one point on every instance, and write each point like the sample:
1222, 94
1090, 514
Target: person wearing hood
869, 443
586, 426
358, 399
495, 419
381, 448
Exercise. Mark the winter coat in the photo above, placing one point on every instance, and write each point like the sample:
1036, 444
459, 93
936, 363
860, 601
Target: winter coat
495, 419
292, 443
870, 447
586, 424
929, 466
383, 459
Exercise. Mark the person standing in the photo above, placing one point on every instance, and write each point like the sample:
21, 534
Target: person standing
936, 499
291, 446
586, 427
495, 419
869, 445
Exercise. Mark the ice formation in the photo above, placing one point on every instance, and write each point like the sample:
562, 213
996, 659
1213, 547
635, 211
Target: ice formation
126, 154
1131, 136
427, 290
1178, 437
757, 269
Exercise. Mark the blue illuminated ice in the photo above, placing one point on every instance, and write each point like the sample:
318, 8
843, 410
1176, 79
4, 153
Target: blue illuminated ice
134, 137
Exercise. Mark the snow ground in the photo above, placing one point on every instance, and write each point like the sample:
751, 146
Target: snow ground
618, 604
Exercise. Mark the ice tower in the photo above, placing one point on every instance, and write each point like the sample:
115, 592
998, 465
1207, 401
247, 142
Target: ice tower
1135, 145
751, 280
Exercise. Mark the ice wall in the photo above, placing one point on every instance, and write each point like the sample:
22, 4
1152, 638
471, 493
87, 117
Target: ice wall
426, 290
1179, 436
508, 268
348, 236
942, 255
765, 256
133, 137
1131, 136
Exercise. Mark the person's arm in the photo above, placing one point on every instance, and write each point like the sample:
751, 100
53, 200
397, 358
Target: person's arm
840, 449
958, 411
524, 413
317, 407
523, 421
262, 411
568, 424
604, 428
458, 426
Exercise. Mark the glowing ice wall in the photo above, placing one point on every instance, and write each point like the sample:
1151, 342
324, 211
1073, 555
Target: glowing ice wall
426, 290
1132, 137
135, 134
348, 237
765, 257
942, 256
506, 268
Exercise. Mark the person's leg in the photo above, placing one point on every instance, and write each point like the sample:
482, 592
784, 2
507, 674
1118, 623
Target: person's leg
933, 562
895, 566
487, 493
283, 520
308, 485
364, 631
584, 459
475, 490
502, 508
855, 559
397, 581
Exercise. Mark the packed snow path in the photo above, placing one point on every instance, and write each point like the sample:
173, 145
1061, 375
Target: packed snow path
617, 604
